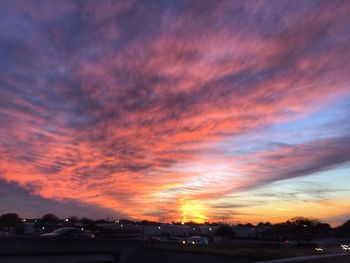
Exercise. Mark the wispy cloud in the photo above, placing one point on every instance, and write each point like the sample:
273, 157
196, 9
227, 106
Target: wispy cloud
123, 105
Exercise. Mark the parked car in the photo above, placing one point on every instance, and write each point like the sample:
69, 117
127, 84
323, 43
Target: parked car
196, 240
173, 240
70, 232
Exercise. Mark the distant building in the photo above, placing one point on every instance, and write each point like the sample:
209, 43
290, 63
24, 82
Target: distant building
171, 230
161, 229
28, 228
249, 231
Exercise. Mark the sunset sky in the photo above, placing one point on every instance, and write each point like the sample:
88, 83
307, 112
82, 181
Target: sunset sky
175, 110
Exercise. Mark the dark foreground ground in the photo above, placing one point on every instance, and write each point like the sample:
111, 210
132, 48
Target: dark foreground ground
163, 256
151, 255
53, 250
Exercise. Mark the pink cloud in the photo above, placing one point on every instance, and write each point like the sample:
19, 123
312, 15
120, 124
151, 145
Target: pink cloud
102, 110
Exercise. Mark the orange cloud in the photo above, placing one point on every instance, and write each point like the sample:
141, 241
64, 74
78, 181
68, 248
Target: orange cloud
97, 108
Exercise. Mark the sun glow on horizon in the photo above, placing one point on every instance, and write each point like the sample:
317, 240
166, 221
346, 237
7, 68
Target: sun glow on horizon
193, 210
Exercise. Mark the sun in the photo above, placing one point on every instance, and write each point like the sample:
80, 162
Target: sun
193, 210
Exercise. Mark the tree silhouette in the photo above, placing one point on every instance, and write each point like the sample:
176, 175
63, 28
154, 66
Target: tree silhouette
73, 219
343, 230
49, 219
225, 231
11, 222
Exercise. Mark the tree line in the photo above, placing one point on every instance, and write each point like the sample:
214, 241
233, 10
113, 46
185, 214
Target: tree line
297, 228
